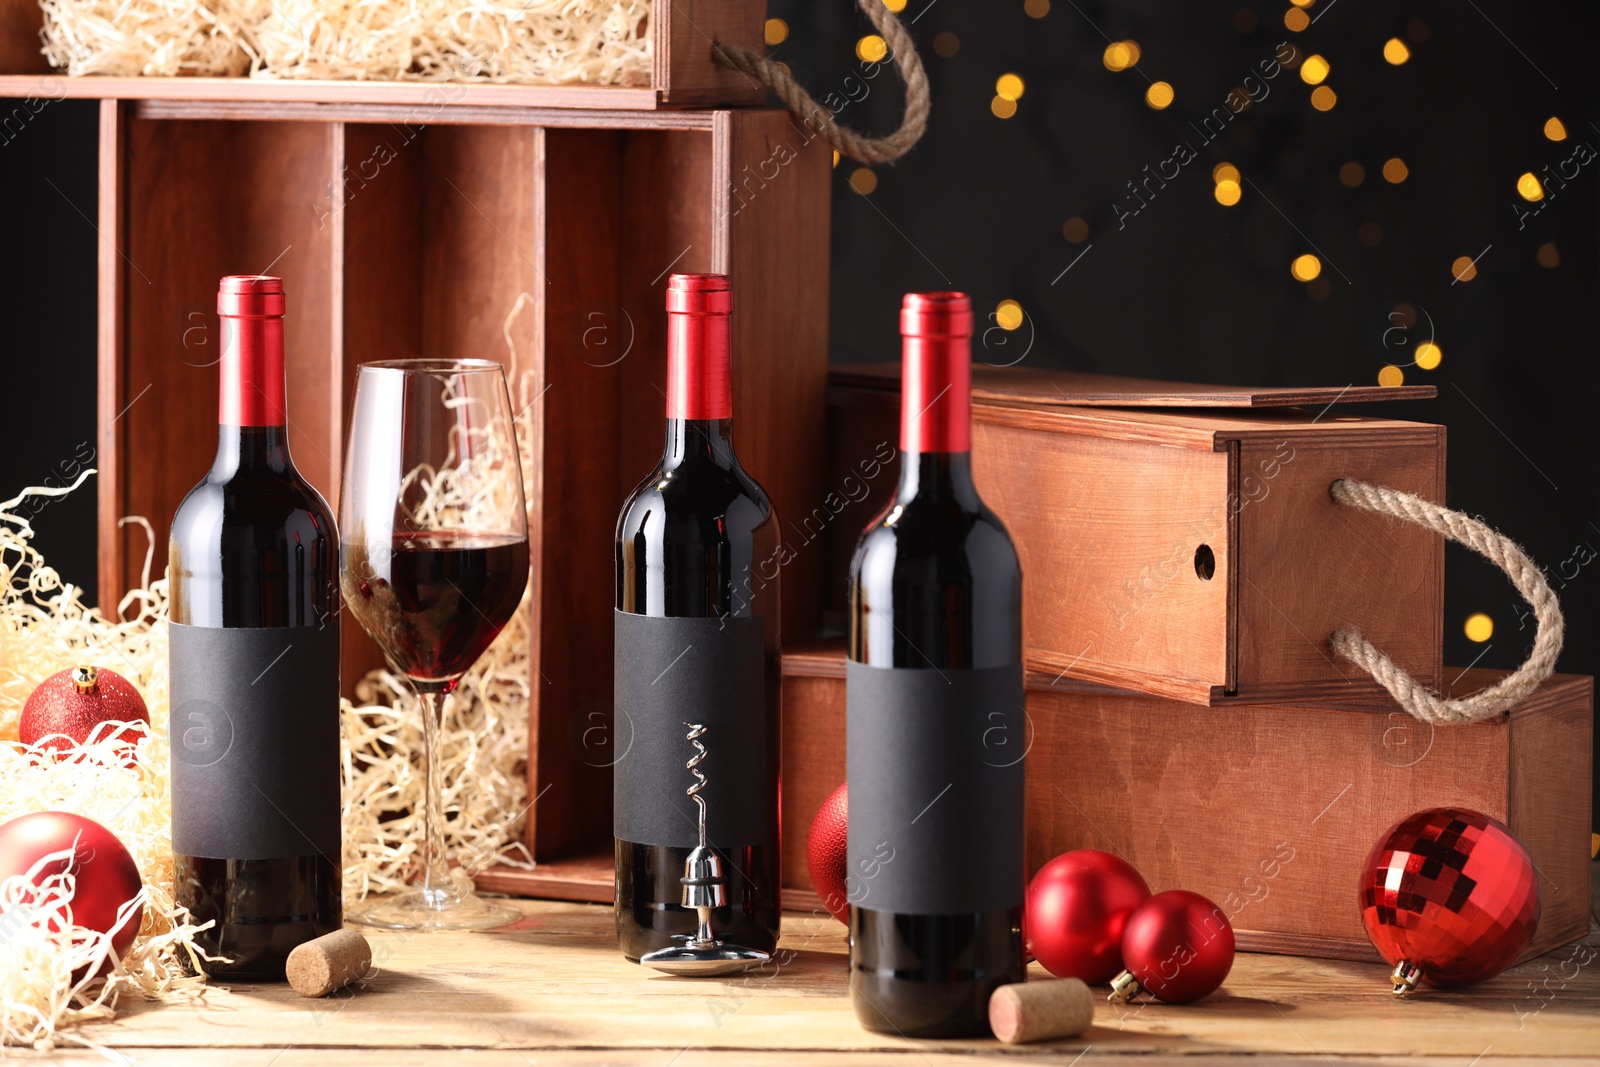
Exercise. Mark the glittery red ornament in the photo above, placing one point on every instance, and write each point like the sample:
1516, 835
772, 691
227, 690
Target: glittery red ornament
1178, 947
1449, 897
1075, 910
70, 705
105, 876
825, 852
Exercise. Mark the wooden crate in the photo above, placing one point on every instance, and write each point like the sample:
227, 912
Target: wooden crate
1269, 810
1186, 547
397, 241
683, 72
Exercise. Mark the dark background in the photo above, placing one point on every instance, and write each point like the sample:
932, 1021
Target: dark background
1186, 289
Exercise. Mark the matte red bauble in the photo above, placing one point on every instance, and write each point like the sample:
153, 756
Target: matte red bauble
105, 875
1075, 911
1449, 897
74, 702
1178, 947
826, 852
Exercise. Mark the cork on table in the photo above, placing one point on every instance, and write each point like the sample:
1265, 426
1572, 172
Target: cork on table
552, 989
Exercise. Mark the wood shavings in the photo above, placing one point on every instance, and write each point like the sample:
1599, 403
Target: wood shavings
46, 627
545, 42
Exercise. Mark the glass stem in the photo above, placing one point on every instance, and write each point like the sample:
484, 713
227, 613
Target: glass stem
437, 886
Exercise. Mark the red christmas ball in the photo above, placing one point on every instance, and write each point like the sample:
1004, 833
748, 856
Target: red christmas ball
70, 706
1178, 947
105, 876
1449, 897
826, 855
1076, 906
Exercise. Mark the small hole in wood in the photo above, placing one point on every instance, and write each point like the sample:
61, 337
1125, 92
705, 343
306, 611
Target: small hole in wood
1205, 562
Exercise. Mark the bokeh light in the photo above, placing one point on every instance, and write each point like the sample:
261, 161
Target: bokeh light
1037, 9
896, 6
1224, 172
1159, 95
1352, 174
863, 181
1314, 69
1479, 627
1075, 230
1296, 19
1003, 108
871, 48
1391, 376
1548, 256
1528, 187
1305, 267
1009, 86
1429, 355
1395, 51
1323, 98
1555, 129
1463, 269
1120, 55
777, 31
1395, 171
1227, 193
1008, 314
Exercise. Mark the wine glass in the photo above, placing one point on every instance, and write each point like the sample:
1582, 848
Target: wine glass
433, 562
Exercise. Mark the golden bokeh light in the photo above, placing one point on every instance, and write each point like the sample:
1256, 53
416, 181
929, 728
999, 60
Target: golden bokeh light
1429, 355
1009, 86
1120, 55
1555, 129
835, 157
1225, 172
1463, 269
1305, 267
1314, 69
1159, 95
1479, 627
1323, 98
863, 181
1352, 174
1036, 9
1395, 51
1227, 192
1395, 171
946, 45
1296, 19
1008, 314
1391, 376
1528, 187
777, 31
1003, 108
871, 48
896, 6
1548, 256
1075, 230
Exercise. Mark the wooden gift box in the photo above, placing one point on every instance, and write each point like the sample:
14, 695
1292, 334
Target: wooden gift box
1182, 543
398, 240
1269, 810
683, 72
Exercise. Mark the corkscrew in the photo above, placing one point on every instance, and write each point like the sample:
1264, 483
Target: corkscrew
704, 890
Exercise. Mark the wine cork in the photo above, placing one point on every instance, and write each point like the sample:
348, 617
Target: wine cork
1040, 1011
332, 961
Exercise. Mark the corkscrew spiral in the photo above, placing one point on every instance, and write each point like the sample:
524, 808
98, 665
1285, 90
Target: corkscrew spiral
696, 731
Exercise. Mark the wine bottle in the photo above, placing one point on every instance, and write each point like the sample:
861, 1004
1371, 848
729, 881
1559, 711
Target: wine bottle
936, 731
696, 641
253, 564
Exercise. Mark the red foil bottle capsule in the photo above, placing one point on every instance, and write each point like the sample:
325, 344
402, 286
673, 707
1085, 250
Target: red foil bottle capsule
250, 308
936, 373
698, 382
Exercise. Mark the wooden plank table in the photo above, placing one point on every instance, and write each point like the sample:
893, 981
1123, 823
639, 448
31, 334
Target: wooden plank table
552, 989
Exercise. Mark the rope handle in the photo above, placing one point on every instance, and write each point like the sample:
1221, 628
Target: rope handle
1502, 552
884, 149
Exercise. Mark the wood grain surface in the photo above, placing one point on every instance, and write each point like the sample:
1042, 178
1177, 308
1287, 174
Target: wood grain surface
553, 989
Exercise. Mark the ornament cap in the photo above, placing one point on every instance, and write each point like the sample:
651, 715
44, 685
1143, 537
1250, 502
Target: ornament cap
85, 679
1405, 977
1124, 987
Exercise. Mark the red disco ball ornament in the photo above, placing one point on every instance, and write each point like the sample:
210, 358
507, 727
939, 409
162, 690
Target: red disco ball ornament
1449, 897
826, 853
70, 706
1076, 907
1178, 947
105, 876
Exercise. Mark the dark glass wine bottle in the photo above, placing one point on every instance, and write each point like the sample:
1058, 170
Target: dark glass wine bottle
253, 563
936, 729
698, 557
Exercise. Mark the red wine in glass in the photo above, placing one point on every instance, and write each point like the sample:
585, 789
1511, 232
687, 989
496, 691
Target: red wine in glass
438, 599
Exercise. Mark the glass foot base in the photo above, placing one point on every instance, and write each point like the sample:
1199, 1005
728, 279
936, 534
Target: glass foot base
433, 909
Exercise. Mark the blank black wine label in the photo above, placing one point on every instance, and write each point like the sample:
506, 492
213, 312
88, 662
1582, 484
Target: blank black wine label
935, 761
255, 741
705, 671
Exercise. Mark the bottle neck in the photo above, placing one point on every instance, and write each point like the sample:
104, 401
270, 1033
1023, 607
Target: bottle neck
699, 383
936, 394
252, 428
690, 440
938, 477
